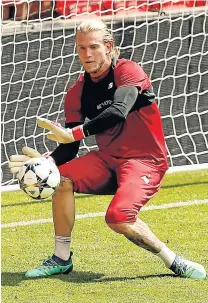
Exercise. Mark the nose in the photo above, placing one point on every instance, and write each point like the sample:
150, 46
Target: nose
88, 52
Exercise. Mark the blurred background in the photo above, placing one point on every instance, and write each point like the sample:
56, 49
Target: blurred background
39, 63
34, 10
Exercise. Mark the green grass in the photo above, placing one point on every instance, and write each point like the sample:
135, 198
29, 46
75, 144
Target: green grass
107, 268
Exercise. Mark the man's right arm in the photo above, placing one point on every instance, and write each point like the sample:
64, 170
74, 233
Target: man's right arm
66, 152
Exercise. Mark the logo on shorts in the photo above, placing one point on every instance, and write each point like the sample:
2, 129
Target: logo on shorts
146, 178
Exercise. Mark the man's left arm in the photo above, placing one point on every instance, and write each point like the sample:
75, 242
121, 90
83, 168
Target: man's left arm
130, 80
124, 100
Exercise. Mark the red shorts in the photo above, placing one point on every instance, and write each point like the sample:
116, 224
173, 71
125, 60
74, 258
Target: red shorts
132, 182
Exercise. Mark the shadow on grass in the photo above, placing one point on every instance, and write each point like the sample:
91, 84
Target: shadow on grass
14, 279
89, 277
38, 201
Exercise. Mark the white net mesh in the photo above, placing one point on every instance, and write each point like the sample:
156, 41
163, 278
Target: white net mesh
39, 63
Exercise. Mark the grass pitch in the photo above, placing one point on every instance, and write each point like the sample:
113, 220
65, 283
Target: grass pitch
107, 267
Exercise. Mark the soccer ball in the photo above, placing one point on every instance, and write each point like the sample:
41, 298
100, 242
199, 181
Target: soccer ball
39, 178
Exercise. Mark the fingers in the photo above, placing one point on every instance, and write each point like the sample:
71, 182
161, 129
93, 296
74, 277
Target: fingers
52, 137
54, 127
16, 161
15, 170
45, 123
59, 134
31, 152
18, 158
15, 164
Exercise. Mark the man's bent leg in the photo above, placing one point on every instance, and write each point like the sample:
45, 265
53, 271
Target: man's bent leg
141, 235
136, 185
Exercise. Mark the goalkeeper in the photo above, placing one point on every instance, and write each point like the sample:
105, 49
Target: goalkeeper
118, 99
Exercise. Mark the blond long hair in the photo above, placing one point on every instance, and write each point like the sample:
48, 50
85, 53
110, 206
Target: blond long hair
98, 25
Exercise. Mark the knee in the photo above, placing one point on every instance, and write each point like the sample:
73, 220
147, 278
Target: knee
66, 185
117, 218
120, 228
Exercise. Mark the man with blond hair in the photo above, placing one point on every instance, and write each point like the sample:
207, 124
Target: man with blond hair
118, 99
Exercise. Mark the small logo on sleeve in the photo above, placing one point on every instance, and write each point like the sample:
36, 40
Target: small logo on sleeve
146, 178
104, 104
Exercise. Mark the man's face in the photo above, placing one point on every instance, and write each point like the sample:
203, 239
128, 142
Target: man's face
92, 52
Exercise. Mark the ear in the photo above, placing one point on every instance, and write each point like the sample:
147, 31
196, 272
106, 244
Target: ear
108, 47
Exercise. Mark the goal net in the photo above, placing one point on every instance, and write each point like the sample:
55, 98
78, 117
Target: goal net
39, 63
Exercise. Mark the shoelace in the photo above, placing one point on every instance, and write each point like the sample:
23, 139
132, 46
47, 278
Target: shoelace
181, 267
49, 262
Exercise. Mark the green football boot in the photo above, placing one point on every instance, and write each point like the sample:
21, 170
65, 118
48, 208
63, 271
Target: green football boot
51, 266
187, 269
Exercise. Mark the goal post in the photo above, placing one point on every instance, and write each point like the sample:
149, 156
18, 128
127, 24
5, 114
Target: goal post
39, 63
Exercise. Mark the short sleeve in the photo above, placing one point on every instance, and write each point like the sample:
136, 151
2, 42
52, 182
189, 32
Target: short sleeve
129, 73
72, 104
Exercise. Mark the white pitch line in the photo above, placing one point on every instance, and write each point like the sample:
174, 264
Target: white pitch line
102, 214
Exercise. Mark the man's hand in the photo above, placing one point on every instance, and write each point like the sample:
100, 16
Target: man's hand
16, 161
58, 133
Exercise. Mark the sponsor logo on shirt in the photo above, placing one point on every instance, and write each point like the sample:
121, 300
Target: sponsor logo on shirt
104, 104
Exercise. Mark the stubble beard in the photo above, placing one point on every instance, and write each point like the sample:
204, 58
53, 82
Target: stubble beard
95, 71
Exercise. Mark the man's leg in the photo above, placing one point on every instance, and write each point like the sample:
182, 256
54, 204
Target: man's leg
87, 174
63, 206
136, 185
141, 235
